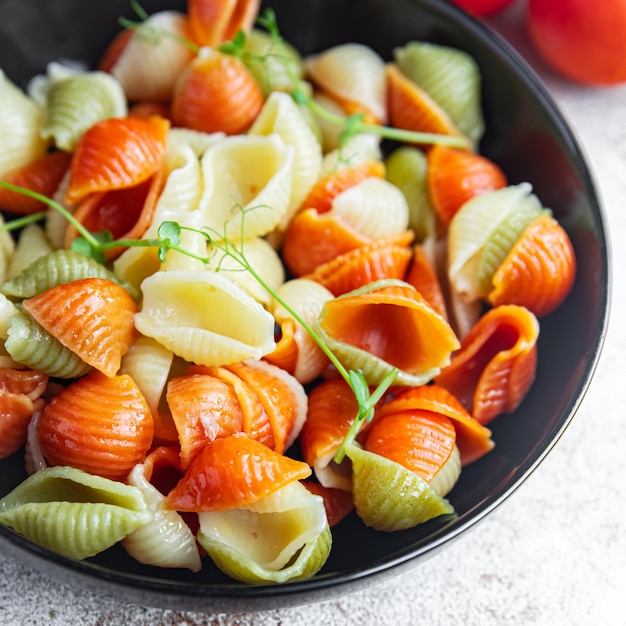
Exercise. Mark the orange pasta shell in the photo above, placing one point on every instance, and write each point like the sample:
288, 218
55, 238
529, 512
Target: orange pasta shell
496, 364
93, 317
539, 271
99, 424
212, 22
422, 274
116, 153
233, 472
337, 502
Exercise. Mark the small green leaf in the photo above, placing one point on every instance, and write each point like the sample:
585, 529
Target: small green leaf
84, 247
170, 231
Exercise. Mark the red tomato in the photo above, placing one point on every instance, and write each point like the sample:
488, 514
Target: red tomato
482, 8
585, 40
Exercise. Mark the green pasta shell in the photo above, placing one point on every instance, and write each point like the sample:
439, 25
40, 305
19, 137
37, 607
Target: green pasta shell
389, 497
72, 512
406, 168
76, 103
452, 79
58, 268
233, 563
500, 242
32, 345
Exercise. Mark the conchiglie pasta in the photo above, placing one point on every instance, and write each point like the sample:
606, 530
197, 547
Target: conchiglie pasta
31, 245
246, 175
204, 318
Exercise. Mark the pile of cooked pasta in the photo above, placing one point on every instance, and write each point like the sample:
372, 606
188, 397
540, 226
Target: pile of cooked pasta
229, 318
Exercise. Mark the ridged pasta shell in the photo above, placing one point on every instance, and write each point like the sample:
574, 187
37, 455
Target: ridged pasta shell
216, 93
99, 424
31, 345
93, 317
386, 325
289, 531
281, 115
31, 245
77, 101
451, 77
166, 540
213, 22
20, 121
496, 363
384, 258
306, 298
539, 271
116, 153
389, 497
406, 168
204, 318
7, 311
72, 512
42, 175
422, 274
411, 108
353, 72
332, 409
472, 226
242, 472
150, 61
58, 268
247, 186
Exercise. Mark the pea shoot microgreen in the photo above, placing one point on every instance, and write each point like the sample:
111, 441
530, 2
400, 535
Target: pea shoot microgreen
95, 245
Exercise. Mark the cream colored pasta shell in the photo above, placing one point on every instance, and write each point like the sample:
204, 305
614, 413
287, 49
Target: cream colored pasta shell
7, 310
153, 59
373, 208
471, 227
306, 298
262, 257
32, 244
7, 248
20, 122
148, 363
360, 148
247, 185
197, 140
330, 132
353, 72
260, 542
164, 541
204, 318
56, 224
281, 115
447, 476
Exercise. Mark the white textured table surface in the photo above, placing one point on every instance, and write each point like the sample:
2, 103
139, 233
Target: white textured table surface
554, 553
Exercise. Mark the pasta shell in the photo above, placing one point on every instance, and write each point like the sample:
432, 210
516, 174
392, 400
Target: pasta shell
204, 318
354, 151
216, 93
332, 409
247, 183
43, 175
337, 502
116, 153
386, 325
31, 345
422, 274
496, 363
281, 115
213, 22
306, 298
150, 60
406, 168
20, 122
58, 268
7, 248
164, 541
93, 317
242, 472
283, 537
20, 391
384, 258
31, 245
472, 438
455, 176
389, 497
99, 424
353, 72
313, 239
411, 108
72, 512
539, 271
203, 408
285, 355
282, 396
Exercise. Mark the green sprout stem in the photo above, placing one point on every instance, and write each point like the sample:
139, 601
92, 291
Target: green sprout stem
95, 245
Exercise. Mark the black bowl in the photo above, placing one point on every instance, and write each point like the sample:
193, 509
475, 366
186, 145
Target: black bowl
530, 140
